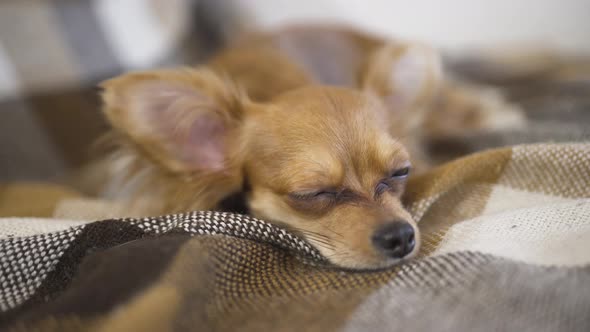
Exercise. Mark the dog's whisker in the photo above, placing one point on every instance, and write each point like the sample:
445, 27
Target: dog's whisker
339, 255
331, 230
338, 240
309, 232
324, 243
320, 238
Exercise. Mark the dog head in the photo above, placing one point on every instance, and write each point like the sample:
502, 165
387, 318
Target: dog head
327, 162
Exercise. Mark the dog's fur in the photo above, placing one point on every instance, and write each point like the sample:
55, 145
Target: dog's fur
308, 125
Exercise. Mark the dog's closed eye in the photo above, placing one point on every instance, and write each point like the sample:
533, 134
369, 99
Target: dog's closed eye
314, 195
321, 201
401, 173
393, 182
313, 202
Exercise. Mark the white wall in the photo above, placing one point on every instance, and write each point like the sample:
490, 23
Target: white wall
452, 24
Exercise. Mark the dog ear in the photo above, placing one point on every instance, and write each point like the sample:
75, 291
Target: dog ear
181, 119
405, 76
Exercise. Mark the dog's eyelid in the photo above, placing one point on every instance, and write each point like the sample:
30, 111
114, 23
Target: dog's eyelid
381, 187
396, 164
307, 195
401, 173
401, 170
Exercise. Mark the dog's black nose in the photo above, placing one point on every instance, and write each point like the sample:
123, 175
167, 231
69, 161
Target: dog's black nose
395, 239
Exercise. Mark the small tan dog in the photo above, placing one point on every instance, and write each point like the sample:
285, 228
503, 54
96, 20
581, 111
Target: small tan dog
315, 128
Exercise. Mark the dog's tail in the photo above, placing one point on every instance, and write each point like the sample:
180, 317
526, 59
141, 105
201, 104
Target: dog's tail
511, 66
535, 79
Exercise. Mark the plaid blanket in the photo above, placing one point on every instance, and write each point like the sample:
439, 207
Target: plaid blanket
506, 247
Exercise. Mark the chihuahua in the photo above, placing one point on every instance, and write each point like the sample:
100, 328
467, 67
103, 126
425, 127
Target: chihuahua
313, 128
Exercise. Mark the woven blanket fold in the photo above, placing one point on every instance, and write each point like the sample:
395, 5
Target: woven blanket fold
506, 247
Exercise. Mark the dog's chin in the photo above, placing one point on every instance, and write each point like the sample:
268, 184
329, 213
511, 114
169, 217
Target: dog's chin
350, 261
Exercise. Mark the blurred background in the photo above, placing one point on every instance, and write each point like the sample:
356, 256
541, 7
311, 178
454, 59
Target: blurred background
53, 53
454, 24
